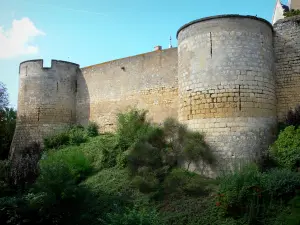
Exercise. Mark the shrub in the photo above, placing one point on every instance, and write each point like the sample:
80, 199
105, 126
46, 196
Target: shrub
92, 129
131, 125
286, 149
196, 149
184, 145
4, 178
12, 211
135, 217
239, 191
71, 162
56, 196
77, 136
57, 140
280, 184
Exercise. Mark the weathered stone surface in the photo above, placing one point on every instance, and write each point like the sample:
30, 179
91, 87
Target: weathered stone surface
224, 80
46, 103
287, 52
147, 81
227, 85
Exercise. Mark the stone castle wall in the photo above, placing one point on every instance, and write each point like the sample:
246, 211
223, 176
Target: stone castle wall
46, 100
147, 81
231, 77
287, 52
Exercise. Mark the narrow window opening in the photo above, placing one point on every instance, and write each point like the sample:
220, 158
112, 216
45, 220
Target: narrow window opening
240, 102
76, 86
56, 86
26, 71
191, 107
211, 45
39, 112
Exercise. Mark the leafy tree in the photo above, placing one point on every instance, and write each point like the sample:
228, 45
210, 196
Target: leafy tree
7, 122
3, 96
7, 129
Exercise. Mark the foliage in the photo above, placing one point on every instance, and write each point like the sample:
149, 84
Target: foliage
7, 129
150, 151
56, 141
195, 148
63, 163
92, 129
77, 136
130, 127
292, 12
240, 190
280, 183
252, 195
4, 178
56, 195
184, 182
12, 211
286, 149
3, 98
135, 217
25, 169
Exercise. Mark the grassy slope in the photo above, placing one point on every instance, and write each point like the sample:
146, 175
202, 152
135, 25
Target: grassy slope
115, 184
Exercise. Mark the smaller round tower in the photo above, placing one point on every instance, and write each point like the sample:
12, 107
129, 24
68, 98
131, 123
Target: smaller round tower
46, 101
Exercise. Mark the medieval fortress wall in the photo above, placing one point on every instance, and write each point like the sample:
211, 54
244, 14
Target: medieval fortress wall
231, 77
147, 81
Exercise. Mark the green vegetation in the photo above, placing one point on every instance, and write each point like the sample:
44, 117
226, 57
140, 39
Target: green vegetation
7, 123
135, 177
293, 12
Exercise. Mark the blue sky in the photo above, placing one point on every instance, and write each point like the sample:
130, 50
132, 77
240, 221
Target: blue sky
93, 31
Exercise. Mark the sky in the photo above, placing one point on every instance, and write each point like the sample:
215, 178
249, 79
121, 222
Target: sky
94, 31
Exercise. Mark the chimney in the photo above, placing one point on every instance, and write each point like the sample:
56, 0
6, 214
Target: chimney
157, 48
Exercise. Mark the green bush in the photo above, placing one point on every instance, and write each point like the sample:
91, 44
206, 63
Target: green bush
12, 211
280, 184
4, 178
286, 149
77, 136
131, 125
239, 192
61, 164
135, 217
56, 141
196, 149
92, 129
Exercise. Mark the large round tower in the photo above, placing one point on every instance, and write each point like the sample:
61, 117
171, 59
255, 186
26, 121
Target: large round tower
226, 83
287, 53
46, 102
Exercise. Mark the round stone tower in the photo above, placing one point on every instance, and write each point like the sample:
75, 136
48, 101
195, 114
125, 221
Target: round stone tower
287, 53
227, 84
46, 101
